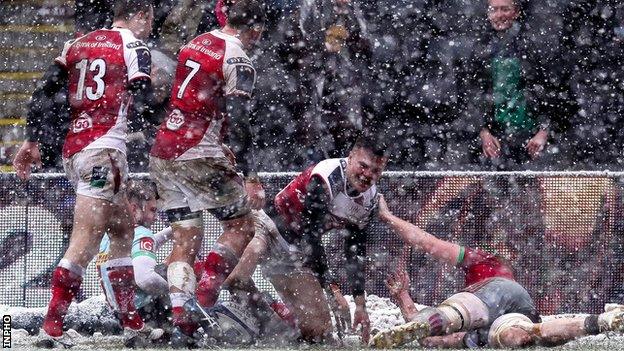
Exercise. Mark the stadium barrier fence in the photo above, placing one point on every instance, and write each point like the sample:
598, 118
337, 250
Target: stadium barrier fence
562, 232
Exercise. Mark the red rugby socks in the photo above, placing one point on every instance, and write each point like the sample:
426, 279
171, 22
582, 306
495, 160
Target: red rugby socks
66, 280
121, 276
217, 267
181, 318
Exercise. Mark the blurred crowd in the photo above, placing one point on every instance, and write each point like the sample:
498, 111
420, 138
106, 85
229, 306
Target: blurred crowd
457, 85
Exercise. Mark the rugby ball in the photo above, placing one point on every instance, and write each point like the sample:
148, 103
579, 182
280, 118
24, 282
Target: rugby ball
238, 325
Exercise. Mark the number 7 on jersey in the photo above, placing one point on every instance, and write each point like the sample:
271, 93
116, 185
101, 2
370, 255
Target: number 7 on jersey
194, 66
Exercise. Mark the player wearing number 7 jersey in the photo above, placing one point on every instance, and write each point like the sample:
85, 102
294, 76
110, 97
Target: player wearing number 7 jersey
104, 71
192, 167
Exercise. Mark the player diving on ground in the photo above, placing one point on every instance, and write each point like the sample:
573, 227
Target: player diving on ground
493, 310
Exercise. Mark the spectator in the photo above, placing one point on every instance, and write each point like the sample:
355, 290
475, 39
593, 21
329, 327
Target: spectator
336, 35
594, 49
512, 97
185, 20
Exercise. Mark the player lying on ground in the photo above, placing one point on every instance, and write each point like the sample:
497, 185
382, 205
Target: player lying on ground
152, 295
334, 194
213, 87
106, 72
492, 308
510, 330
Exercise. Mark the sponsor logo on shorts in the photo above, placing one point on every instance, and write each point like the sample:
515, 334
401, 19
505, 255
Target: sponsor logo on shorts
146, 244
175, 120
84, 121
6, 331
98, 176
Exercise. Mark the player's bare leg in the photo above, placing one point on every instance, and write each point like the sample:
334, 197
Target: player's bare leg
90, 221
560, 331
305, 297
121, 231
237, 233
187, 239
91, 218
119, 265
515, 330
460, 312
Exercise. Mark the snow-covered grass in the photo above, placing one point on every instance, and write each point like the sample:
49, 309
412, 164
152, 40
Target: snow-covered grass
383, 314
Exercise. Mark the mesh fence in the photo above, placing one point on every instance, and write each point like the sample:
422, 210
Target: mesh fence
563, 233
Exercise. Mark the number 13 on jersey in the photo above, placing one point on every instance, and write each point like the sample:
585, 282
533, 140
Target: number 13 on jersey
98, 66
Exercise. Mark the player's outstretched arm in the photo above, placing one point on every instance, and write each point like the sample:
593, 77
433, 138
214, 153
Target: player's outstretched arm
314, 217
398, 284
340, 307
355, 254
441, 250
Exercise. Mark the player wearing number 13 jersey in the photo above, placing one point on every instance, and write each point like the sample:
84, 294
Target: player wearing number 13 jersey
101, 66
107, 72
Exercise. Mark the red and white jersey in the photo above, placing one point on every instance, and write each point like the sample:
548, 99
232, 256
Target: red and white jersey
481, 266
210, 67
100, 66
345, 209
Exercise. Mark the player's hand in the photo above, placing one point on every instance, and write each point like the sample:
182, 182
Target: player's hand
382, 208
398, 282
537, 143
256, 193
360, 318
489, 144
340, 307
27, 156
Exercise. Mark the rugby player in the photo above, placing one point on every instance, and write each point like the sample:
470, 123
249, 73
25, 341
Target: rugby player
493, 310
152, 296
333, 194
212, 89
107, 71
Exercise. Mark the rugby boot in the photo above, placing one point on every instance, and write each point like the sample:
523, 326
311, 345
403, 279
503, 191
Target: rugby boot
142, 338
65, 341
203, 318
400, 335
612, 319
